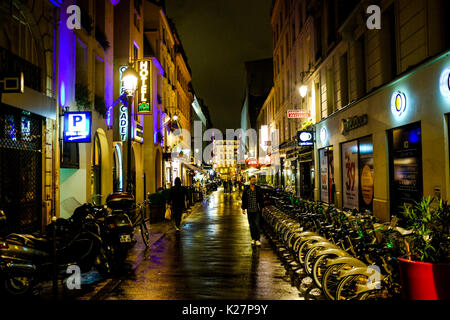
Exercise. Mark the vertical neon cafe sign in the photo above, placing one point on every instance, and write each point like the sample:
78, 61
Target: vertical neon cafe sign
123, 116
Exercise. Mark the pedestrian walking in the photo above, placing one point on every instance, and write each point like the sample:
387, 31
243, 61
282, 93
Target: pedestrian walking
253, 205
177, 202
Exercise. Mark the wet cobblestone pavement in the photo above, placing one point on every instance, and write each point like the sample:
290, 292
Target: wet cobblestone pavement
210, 258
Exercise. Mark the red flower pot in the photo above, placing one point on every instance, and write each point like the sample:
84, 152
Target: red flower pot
424, 280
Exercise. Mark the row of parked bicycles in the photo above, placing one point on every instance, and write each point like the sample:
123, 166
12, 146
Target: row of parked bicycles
347, 254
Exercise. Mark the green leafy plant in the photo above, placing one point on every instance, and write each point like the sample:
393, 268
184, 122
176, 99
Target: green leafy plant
100, 106
82, 96
157, 199
431, 225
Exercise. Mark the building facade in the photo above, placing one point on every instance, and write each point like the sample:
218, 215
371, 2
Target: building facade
375, 100
29, 136
225, 158
174, 95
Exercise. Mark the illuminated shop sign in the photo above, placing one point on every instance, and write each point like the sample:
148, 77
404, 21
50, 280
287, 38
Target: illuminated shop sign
298, 114
144, 96
398, 103
139, 133
353, 123
77, 127
305, 138
123, 123
445, 83
323, 135
122, 87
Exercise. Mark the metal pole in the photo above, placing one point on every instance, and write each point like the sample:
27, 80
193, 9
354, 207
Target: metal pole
129, 106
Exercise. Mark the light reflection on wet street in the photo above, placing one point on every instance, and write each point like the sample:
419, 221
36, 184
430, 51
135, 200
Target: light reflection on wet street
210, 258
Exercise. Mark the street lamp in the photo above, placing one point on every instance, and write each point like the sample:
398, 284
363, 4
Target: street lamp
303, 90
130, 79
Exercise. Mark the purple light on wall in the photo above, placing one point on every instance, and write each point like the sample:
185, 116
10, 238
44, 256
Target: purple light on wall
114, 2
62, 94
66, 61
56, 2
109, 115
158, 65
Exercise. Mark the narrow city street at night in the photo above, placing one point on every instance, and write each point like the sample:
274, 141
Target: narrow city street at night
217, 158
210, 258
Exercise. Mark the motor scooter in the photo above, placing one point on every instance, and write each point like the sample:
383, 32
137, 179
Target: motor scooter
116, 227
27, 259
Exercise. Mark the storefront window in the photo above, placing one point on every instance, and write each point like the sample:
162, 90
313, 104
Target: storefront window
357, 174
405, 166
327, 186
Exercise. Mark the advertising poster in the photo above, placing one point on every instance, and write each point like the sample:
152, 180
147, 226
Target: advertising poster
366, 173
350, 175
323, 155
406, 165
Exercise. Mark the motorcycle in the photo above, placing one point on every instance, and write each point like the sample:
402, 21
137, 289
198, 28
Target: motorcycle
116, 227
26, 260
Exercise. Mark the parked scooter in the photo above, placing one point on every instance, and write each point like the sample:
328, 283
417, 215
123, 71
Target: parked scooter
116, 227
25, 259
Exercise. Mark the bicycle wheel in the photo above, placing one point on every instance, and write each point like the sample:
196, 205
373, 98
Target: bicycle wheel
346, 289
145, 234
319, 268
310, 258
370, 295
330, 281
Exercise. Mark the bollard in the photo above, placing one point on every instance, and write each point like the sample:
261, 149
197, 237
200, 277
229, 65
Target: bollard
55, 275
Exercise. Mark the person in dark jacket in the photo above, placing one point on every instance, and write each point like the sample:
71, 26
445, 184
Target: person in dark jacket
177, 202
253, 205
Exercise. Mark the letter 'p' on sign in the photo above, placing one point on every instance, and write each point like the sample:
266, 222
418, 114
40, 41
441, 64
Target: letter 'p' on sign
77, 127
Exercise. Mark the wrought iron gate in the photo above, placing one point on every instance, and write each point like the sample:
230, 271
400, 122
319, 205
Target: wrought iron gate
20, 169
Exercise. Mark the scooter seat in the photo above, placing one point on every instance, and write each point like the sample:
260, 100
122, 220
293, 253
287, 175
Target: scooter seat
29, 240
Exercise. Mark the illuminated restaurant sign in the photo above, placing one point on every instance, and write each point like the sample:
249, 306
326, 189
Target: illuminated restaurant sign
77, 127
145, 89
123, 123
298, 114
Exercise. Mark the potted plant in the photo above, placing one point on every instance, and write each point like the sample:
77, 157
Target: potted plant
425, 274
157, 206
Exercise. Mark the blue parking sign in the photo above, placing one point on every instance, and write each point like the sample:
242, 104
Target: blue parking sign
77, 127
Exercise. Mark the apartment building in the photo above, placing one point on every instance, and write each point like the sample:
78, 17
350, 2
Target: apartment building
375, 99
175, 94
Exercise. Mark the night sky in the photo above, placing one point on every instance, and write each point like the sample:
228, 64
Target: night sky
218, 36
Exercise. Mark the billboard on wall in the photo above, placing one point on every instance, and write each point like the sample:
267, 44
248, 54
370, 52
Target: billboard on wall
323, 155
406, 165
350, 175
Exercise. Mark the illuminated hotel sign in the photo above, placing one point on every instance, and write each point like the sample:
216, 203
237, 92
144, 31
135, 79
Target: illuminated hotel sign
445, 83
144, 96
77, 127
298, 114
398, 103
123, 123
